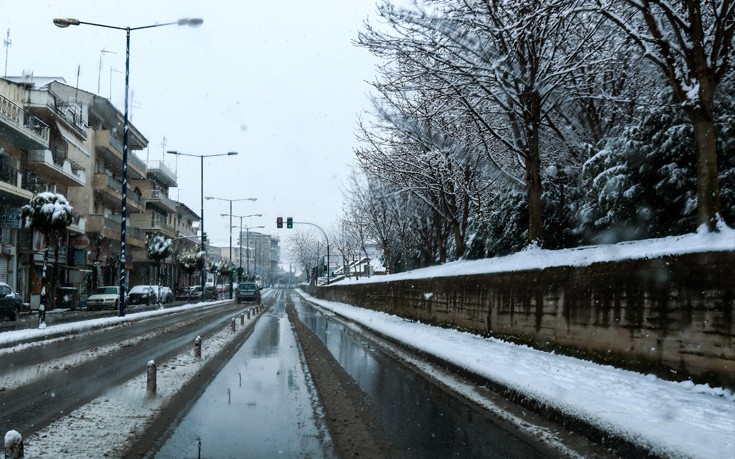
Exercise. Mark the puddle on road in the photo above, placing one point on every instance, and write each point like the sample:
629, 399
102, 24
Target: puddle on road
261, 404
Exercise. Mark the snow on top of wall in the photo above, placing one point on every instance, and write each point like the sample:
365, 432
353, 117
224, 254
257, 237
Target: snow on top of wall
536, 258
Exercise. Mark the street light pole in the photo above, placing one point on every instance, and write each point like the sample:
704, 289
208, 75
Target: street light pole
201, 221
63, 23
239, 237
230, 214
325, 237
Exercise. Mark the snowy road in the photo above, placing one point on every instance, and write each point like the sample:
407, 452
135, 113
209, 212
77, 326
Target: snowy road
43, 380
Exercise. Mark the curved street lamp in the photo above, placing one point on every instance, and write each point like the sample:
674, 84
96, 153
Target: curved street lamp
66, 22
201, 221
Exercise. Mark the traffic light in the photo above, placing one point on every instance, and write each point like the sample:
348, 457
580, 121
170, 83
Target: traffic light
289, 222
279, 222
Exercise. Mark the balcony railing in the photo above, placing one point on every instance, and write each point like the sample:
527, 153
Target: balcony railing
21, 118
159, 196
70, 172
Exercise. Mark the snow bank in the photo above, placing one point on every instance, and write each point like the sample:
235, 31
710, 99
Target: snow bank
537, 258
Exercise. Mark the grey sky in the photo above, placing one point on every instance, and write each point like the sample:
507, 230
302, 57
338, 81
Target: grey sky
280, 82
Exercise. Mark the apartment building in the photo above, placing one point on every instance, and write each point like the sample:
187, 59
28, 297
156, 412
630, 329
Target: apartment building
54, 137
261, 254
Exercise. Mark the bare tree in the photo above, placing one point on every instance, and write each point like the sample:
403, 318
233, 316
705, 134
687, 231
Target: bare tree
504, 65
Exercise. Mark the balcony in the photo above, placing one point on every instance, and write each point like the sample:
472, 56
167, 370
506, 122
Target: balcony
20, 128
153, 225
160, 172
61, 170
109, 227
110, 190
112, 150
160, 200
14, 185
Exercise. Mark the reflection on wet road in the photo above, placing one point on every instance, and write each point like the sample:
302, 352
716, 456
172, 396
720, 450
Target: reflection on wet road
262, 403
422, 420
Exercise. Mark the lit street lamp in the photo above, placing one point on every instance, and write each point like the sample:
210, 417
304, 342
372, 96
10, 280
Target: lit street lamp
66, 22
201, 221
231, 201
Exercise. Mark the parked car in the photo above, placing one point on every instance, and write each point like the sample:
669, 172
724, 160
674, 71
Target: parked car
165, 295
104, 297
142, 294
210, 293
183, 293
10, 302
248, 292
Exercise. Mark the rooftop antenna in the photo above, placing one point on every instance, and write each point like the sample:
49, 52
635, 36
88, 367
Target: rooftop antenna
7, 42
79, 70
99, 73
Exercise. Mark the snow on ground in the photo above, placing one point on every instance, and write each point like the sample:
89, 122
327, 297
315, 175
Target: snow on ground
124, 411
537, 258
674, 419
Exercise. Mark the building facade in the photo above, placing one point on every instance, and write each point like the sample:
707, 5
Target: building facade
57, 138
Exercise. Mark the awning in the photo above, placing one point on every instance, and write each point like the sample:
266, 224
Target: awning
71, 138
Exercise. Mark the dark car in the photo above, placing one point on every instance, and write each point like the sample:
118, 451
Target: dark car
248, 292
142, 294
209, 293
10, 302
183, 293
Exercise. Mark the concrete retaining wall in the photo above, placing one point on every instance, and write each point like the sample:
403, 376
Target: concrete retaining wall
671, 316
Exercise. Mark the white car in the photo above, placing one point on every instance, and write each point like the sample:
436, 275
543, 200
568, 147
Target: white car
107, 297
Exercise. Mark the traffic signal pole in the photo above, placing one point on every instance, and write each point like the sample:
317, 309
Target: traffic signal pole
290, 222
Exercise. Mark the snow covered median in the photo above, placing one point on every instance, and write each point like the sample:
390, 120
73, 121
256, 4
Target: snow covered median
108, 425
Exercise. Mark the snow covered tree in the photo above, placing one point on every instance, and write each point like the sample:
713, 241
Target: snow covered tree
503, 68
642, 183
191, 261
691, 43
50, 214
158, 247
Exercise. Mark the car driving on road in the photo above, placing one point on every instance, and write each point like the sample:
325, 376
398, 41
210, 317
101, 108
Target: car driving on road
248, 292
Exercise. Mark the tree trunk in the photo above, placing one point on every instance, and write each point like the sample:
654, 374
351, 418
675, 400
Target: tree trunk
44, 297
533, 168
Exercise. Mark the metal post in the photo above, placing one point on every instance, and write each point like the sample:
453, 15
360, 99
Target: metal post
151, 378
124, 211
204, 277
239, 238
231, 290
247, 243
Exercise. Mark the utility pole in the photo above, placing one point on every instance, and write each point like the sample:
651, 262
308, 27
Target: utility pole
99, 73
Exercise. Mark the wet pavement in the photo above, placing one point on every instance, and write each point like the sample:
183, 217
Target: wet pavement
423, 421
262, 403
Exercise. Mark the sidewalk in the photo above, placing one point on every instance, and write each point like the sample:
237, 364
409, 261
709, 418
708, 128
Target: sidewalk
671, 419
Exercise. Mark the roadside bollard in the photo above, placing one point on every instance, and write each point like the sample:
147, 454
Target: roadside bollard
198, 347
151, 387
242, 318
248, 314
13, 445
232, 324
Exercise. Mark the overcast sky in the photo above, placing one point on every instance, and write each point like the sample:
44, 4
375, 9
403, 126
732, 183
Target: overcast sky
280, 82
